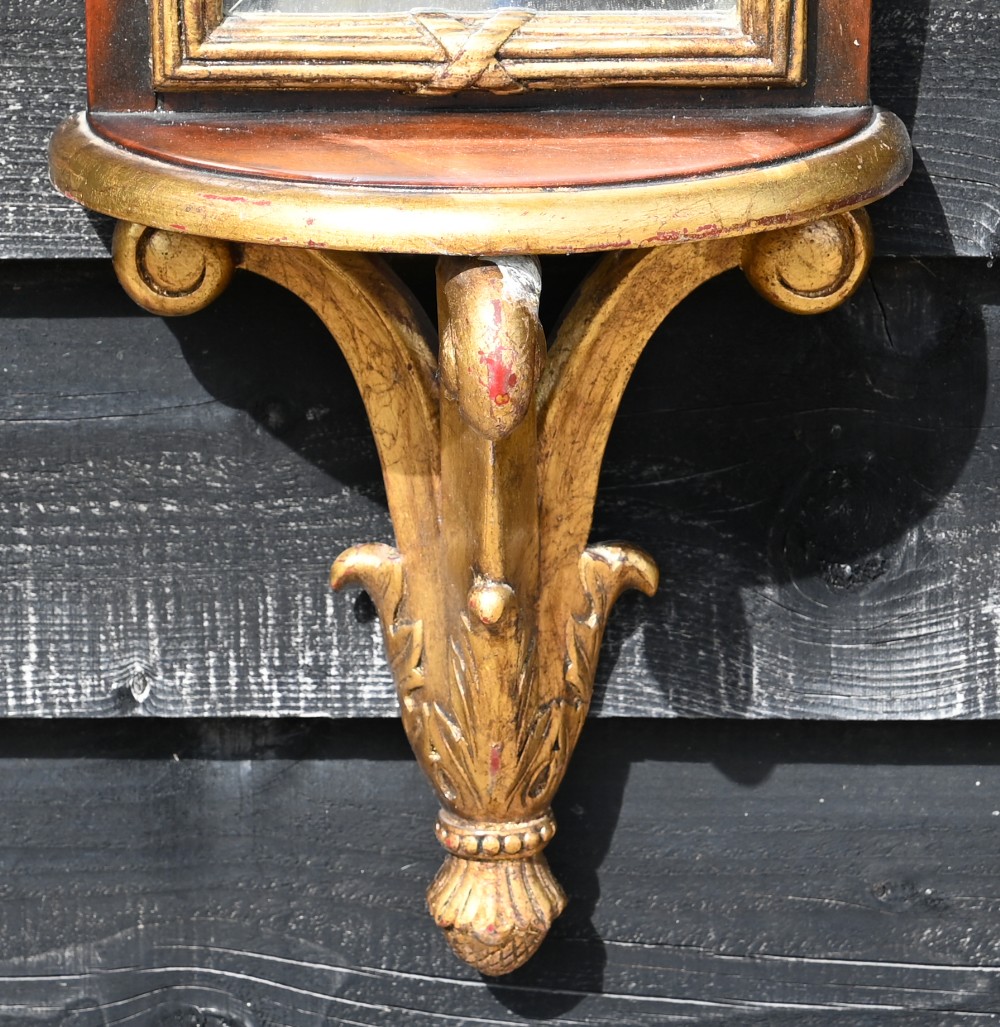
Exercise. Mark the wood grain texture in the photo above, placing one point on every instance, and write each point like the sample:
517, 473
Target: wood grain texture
923, 67
842, 55
818, 493
510, 150
118, 62
242, 875
42, 78
933, 63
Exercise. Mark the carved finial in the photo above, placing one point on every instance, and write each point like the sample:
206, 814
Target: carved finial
170, 273
811, 268
495, 897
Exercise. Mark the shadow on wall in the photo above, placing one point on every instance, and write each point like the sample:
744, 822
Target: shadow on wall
756, 454
899, 48
779, 469
782, 469
258, 871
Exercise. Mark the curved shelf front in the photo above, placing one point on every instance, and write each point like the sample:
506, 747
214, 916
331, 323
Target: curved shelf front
499, 183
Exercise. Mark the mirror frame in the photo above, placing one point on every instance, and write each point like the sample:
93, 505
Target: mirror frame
507, 50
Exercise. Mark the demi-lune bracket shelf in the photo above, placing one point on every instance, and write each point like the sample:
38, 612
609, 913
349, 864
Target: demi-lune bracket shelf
493, 599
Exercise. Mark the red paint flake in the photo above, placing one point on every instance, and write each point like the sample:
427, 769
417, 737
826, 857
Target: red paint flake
495, 753
491, 928
310, 221
179, 228
236, 199
500, 378
497, 312
772, 219
621, 244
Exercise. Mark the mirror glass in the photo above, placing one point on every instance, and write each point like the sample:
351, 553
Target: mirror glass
397, 6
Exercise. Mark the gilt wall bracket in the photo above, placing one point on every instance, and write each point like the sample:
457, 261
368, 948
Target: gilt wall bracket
493, 600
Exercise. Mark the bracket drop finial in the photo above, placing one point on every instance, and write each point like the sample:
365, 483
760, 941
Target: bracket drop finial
495, 897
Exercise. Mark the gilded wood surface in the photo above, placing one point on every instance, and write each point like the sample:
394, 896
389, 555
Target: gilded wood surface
931, 63
627, 215
493, 603
504, 51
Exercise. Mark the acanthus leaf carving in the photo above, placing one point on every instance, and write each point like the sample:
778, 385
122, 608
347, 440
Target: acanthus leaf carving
606, 571
380, 570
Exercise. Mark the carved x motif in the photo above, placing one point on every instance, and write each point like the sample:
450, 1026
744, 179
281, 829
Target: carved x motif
472, 53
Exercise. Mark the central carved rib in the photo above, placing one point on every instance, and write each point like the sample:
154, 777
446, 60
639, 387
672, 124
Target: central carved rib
491, 724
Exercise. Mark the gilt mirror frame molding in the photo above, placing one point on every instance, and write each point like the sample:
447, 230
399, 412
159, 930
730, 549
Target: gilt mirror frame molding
506, 50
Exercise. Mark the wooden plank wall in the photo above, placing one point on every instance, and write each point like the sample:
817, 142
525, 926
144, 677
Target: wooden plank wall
272, 875
819, 493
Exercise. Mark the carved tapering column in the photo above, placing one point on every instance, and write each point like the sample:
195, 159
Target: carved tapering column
492, 729
490, 749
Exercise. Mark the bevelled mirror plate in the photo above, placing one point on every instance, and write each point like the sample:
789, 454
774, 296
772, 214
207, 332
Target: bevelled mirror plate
476, 45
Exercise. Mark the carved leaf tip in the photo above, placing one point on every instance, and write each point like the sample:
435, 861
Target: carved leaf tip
614, 567
378, 569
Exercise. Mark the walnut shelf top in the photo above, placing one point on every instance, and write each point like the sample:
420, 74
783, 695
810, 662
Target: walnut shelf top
525, 150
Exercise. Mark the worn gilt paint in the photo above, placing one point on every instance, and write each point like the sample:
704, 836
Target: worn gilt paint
512, 218
493, 601
434, 52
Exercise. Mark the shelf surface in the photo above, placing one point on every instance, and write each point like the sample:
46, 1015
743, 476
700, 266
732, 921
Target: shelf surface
498, 182
462, 151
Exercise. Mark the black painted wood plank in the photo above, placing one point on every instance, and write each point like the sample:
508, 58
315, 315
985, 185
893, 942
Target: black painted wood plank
934, 63
820, 495
42, 81
265, 874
